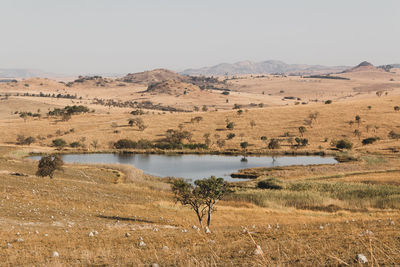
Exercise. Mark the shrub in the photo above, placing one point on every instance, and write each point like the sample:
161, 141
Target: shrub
244, 145
70, 110
21, 140
236, 106
370, 140
271, 183
195, 146
48, 165
393, 135
137, 112
301, 141
344, 144
125, 143
75, 144
59, 142
328, 102
230, 136
197, 119
274, 144
302, 130
177, 136
143, 144
230, 125
138, 122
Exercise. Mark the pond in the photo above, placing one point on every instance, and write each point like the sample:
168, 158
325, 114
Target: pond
194, 166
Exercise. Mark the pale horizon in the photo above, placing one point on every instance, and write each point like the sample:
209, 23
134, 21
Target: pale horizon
80, 37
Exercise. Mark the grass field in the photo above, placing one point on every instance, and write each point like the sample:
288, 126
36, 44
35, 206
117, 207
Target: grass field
117, 201
319, 215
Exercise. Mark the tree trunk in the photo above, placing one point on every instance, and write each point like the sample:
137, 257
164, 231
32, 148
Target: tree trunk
209, 216
200, 219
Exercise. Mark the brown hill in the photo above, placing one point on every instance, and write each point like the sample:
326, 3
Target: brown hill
153, 76
364, 66
172, 87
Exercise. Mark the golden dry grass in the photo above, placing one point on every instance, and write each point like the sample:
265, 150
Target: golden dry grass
274, 122
58, 215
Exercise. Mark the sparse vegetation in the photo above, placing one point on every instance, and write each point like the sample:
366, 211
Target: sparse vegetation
230, 125
22, 140
59, 143
370, 140
201, 198
274, 144
48, 165
343, 144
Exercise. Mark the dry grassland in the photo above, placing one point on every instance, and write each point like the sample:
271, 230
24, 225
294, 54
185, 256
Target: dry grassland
323, 215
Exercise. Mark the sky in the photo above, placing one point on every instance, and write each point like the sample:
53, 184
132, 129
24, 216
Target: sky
122, 36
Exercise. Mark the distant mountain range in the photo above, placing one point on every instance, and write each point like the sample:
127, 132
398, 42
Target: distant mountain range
24, 73
242, 67
266, 67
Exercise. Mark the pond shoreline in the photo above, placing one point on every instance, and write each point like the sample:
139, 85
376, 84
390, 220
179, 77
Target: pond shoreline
194, 166
192, 152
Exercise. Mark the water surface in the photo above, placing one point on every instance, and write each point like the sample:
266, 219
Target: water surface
194, 166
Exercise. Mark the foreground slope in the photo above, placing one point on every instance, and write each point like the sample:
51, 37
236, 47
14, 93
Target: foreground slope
97, 215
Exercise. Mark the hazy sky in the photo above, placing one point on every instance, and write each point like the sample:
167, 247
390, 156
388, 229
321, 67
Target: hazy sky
120, 36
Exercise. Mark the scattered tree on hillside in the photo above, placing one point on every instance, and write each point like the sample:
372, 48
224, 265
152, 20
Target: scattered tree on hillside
230, 136
274, 144
357, 133
176, 136
197, 119
264, 138
302, 130
220, 143
48, 165
59, 143
343, 144
301, 141
137, 112
22, 140
358, 119
24, 115
207, 139
202, 197
138, 122
230, 125
396, 108
94, 143
244, 146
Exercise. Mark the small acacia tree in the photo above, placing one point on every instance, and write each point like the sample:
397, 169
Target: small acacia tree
302, 130
48, 165
202, 197
138, 122
230, 125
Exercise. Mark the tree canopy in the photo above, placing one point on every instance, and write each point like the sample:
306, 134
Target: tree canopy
48, 165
